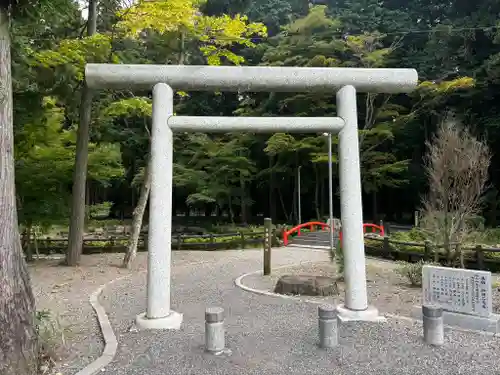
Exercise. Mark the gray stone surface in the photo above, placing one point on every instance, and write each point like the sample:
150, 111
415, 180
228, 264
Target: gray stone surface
458, 290
249, 78
269, 335
432, 319
214, 314
328, 326
489, 324
306, 285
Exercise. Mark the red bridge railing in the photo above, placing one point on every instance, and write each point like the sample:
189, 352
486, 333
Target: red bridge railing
324, 226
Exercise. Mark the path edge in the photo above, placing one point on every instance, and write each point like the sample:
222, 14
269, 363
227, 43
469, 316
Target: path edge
239, 283
107, 332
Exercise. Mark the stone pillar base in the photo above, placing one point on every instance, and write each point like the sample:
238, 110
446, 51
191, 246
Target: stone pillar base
371, 314
172, 321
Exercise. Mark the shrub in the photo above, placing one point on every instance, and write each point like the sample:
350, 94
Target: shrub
412, 271
337, 255
413, 235
51, 338
490, 236
476, 222
100, 210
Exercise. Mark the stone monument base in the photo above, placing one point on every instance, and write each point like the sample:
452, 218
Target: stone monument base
489, 324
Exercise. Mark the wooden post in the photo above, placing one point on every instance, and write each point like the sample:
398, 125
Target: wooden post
242, 240
386, 248
479, 257
267, 245
427, 250
436, 253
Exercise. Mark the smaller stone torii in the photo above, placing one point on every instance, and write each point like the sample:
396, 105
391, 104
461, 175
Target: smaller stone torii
166, 78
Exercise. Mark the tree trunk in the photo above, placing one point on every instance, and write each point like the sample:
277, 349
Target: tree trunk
35, 244
374, 207
26, 240
230, 208
138, 215
283, 207
316, 193
272, 205
294, 213
460, 254
243, 201
137, 218
77, 222
18, 346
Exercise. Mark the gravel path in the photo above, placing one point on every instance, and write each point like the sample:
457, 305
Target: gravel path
269, 335
64, 292
388, 291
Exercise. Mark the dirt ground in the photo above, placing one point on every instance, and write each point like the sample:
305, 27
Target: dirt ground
64, 292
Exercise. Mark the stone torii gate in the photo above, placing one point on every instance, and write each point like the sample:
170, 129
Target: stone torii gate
166, 78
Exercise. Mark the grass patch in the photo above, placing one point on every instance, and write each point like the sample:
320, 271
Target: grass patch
51, 339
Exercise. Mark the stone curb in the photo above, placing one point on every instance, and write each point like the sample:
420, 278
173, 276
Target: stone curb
239, 283
312, 247
108, 335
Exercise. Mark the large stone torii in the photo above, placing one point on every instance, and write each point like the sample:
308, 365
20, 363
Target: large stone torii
166, 78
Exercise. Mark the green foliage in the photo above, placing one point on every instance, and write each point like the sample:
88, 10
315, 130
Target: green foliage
457, 60
100, 210
211, 168
215, 34
72, 54
129, 107
412, 272
43, 167
413, 235
45, 154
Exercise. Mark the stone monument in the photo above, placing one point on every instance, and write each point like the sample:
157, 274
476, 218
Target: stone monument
464, 295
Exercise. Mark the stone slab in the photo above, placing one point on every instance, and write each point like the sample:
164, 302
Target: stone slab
306, 285
458, 290
489, 324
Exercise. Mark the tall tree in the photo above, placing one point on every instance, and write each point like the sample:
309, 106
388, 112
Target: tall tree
77, 223
18, 346
457, 167
183, 21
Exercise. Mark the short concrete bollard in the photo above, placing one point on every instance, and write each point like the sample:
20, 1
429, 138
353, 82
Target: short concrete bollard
327, 324
432, 317
214, 330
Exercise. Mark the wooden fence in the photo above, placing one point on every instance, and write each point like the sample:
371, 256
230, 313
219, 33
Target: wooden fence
118, 244
478, 257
